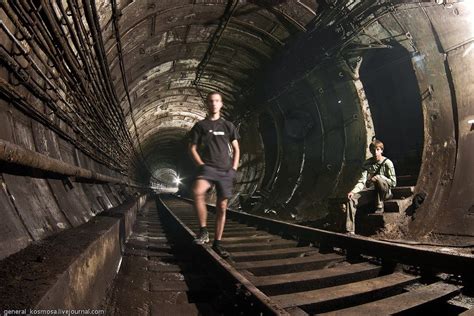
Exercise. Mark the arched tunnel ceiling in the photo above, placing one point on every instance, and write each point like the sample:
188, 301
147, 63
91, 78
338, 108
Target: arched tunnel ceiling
163, 44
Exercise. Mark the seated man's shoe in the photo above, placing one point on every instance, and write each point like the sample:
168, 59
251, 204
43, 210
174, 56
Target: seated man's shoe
379, 210
220, 251
201, 238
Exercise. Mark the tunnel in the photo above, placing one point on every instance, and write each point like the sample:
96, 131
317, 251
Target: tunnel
98, 98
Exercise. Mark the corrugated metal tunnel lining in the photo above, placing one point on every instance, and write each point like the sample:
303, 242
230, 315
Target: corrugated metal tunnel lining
114, 86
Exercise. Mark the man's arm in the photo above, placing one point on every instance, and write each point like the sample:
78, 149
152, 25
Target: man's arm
194, 140
235, 146
195, 155
362, 180
389, 174
361, 183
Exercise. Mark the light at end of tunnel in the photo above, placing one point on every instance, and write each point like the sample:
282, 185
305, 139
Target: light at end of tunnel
471, 122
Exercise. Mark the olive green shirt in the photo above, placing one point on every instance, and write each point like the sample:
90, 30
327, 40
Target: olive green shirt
370, 166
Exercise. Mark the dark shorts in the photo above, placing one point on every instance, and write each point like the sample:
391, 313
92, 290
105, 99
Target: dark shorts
223, 179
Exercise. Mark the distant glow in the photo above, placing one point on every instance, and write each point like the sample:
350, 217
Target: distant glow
177, 180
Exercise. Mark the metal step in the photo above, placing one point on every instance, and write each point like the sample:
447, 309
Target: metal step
396, 206
402, 192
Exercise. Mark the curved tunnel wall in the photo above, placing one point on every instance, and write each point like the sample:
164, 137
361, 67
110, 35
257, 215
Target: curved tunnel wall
37, 108
439, 40
34, 206
322, 137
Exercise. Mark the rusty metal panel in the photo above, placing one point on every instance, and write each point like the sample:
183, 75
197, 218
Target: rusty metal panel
67, 151
452, 23
5, 122
116, 192
333, 136
13, 232
45, 141
103, 196
70, 197
94, 194
36, 205
439, 140
22, 132
110, 194
72, 200
457, 218
292, 159
32, 197
82, 161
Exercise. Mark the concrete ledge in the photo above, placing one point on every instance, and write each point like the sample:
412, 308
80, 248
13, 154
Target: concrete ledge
70, 270
127, 213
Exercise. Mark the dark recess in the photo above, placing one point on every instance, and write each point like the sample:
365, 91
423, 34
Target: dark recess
395, 103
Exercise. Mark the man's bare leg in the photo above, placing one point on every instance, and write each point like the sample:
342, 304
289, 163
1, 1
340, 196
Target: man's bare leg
221, 208
199, 192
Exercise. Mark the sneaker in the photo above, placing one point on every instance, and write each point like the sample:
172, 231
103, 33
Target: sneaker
220, 251
201, 238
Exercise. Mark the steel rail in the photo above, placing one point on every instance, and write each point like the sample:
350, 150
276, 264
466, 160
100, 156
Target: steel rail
257, 299
432, 260
304, 273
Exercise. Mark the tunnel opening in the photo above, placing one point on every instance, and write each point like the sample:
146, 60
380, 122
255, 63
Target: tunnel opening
166, 180
394, 99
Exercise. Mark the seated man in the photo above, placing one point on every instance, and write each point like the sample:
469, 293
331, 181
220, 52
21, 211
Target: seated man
379, 174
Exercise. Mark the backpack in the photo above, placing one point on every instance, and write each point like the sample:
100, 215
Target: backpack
368, 183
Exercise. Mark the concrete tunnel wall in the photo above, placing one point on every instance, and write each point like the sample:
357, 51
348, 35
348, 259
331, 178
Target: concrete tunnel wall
34, 207
289, 72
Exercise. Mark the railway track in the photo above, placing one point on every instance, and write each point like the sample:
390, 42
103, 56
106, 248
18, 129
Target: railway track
157, 274
283, 269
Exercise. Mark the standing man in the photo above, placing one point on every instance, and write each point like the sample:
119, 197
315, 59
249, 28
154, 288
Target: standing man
379, 175
215, 150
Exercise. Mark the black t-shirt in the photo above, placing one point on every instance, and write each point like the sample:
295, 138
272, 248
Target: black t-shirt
213, 139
